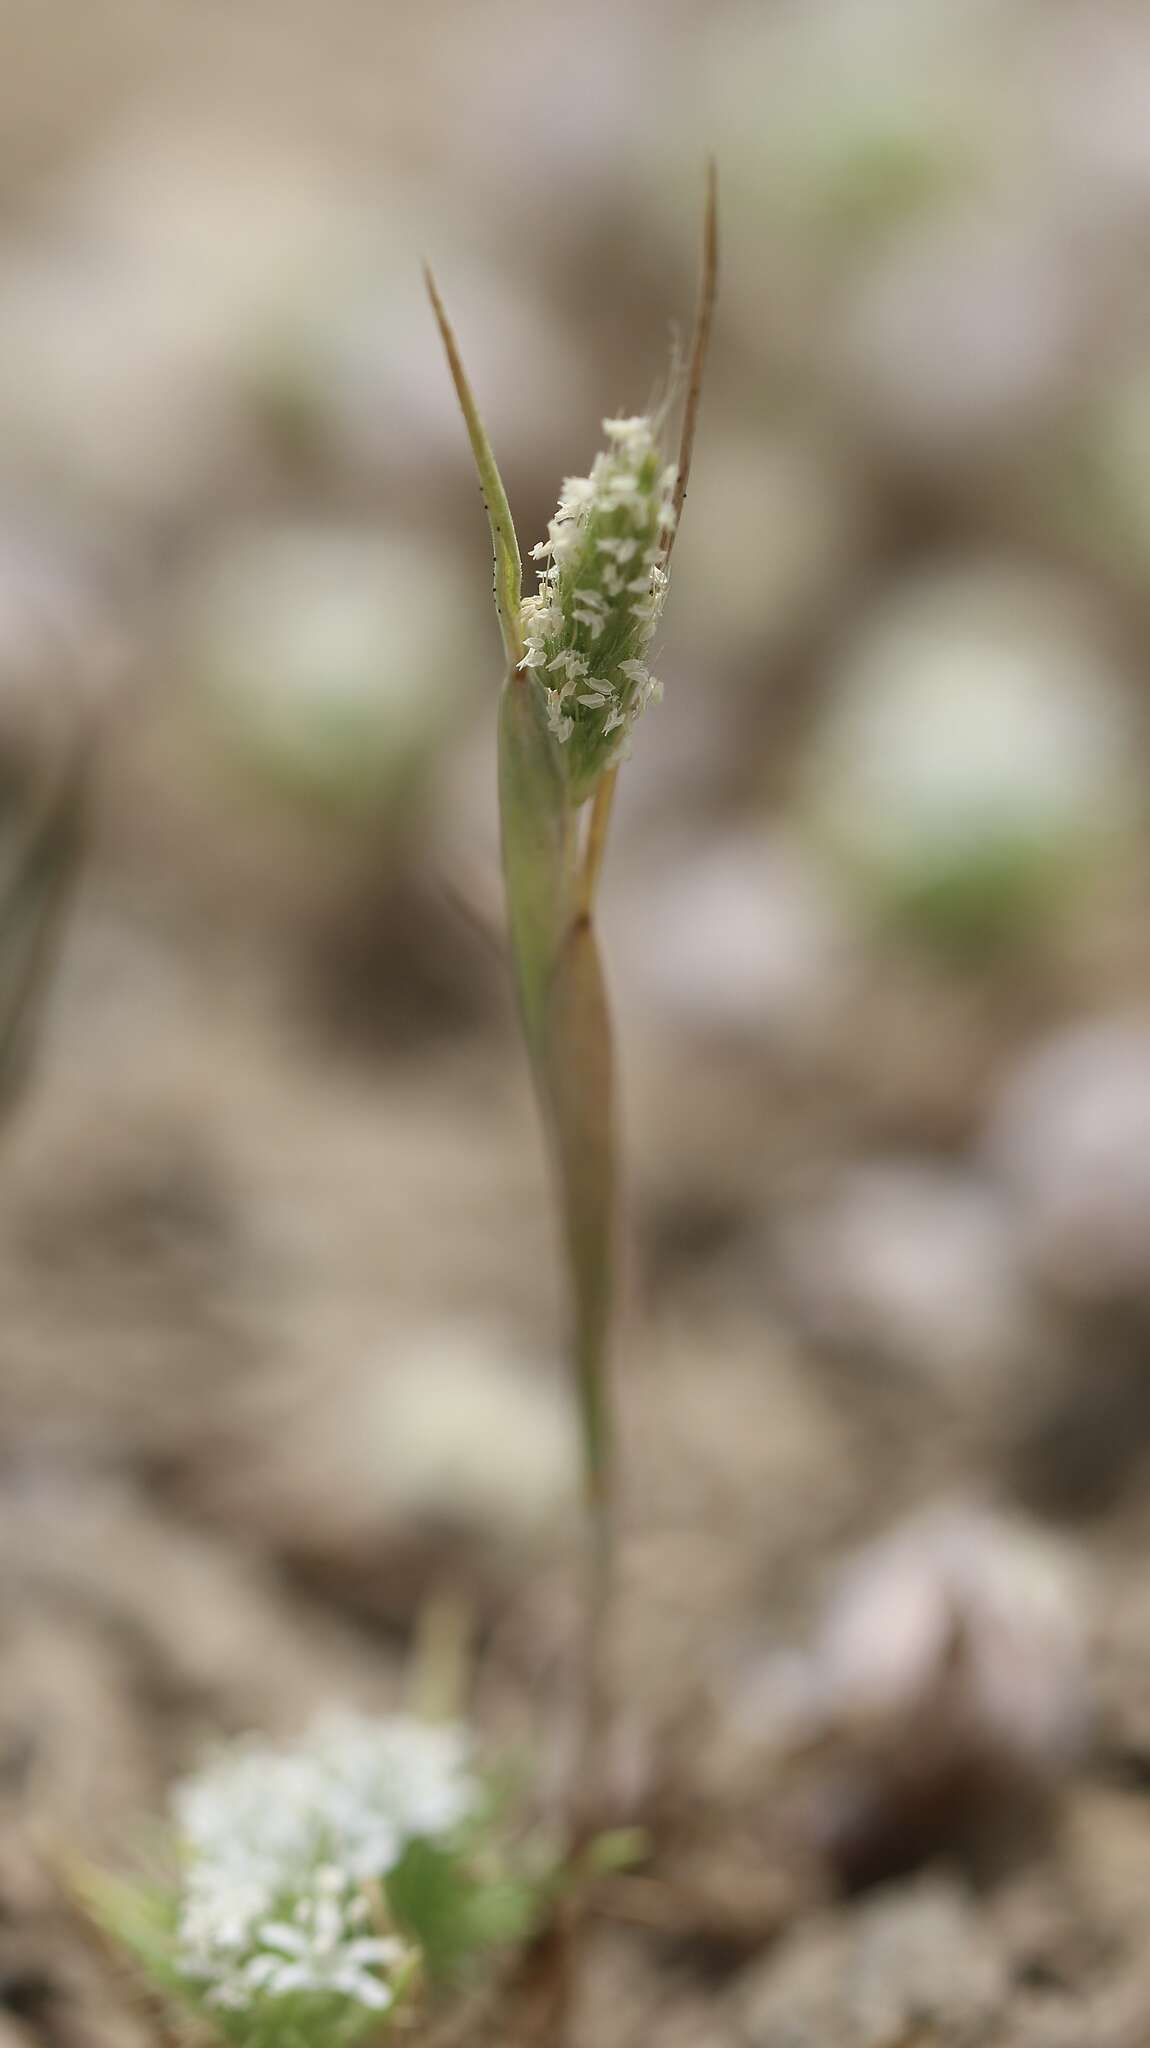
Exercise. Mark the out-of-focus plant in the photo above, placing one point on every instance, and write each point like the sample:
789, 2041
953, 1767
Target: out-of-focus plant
330, 660
972, 763
55, 668
38, 867
577, 679
316, 1894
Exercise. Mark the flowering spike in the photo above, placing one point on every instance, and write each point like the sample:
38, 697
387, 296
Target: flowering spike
601, 592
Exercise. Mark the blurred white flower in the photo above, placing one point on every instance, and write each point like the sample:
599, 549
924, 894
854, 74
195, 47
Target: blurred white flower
362, 1787
335, 655
977, 740
284, 1845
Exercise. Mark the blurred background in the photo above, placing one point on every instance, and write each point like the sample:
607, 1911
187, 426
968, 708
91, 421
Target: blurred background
280, 1362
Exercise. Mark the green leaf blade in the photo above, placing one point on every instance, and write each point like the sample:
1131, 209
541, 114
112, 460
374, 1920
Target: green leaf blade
504, 541
535, 820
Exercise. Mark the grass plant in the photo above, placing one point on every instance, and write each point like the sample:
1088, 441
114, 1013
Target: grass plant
577, 679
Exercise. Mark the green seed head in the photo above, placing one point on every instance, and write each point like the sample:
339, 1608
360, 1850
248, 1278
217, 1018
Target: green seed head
588, 631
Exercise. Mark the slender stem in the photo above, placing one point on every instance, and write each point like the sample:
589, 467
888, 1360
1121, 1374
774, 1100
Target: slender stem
593, 1317
592, 1769
440, 1664
601, 805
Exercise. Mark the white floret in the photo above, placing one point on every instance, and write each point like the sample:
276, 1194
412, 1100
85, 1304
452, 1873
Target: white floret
610, 590
280, 1844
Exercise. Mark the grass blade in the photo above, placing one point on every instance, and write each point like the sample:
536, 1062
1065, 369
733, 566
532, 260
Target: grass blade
508, 585
700, 342
33, 901
535, 824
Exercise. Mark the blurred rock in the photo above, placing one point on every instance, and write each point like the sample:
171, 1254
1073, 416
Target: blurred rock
122, 1255
736, 936
1069, 1138
1110, 2014
628, 1994
917, 1962
146, 1633
944, 1698
976, 749
1108, 1850
1002, 1598
914, 1265
434, 1462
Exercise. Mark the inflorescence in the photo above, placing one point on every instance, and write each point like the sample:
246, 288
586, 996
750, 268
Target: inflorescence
589, 630
282, 1930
